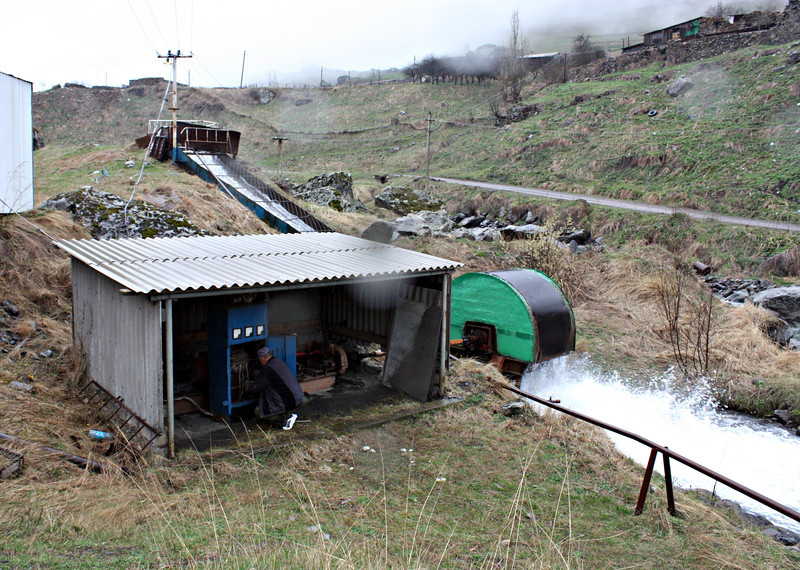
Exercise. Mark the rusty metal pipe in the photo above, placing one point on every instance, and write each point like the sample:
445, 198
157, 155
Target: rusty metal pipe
84, 462
756, 496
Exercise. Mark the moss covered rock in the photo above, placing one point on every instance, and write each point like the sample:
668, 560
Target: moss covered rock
334, 190
104, 215
406, 200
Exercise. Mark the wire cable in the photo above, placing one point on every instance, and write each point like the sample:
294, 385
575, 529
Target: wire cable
141, 27
155, 21
177, 27
144, 162
27, 221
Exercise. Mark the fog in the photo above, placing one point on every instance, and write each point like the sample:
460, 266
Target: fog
97, 42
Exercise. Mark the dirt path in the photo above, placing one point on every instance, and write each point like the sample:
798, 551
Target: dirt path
627, 205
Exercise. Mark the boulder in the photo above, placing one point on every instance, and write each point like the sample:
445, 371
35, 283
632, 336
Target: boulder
10, 308
680, 85
334, 190
782, 301
581, 237
424, 224
406, 200
471, 221
486, 234
381, 232
520, 232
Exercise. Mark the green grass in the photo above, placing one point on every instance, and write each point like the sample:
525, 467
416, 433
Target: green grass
527, 492
727, 145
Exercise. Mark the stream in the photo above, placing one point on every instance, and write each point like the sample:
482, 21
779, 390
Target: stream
759, 454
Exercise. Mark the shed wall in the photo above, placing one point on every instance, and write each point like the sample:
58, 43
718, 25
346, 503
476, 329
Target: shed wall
120, 336
16, 144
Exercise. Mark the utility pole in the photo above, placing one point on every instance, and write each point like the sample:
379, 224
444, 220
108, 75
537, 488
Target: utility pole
428, 164
280, 140
174, 57
241, 80
566, 55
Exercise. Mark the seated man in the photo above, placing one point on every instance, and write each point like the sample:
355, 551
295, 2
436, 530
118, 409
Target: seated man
277, 388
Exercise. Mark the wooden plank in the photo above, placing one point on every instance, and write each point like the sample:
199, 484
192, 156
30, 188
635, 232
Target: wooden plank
316, 384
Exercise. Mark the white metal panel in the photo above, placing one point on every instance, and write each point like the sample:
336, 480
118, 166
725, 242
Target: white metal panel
183, 264
120, 336
16, 144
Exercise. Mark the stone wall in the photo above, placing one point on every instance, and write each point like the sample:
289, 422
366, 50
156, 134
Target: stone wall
672, 53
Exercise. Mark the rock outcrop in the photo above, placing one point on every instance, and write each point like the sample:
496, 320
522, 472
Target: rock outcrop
334, 190
104, 215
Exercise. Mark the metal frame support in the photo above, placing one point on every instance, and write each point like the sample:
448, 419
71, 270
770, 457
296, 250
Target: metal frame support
648, 473
170, 383
445, 336
668, 483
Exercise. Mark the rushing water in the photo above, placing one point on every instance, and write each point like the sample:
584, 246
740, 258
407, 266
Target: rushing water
760, 455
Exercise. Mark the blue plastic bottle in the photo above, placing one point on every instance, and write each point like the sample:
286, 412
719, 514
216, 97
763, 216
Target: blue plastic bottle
100, 435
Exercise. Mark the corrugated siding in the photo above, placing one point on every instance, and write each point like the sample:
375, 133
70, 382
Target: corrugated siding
368, 311
121, 339
199, 263
16, 144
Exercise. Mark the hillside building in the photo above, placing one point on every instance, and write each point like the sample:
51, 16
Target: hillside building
160, 319
16, 144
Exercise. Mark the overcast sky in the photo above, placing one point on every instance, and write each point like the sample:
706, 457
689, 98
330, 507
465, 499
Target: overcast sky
98, 42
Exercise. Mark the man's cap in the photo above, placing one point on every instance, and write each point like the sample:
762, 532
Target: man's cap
264, 352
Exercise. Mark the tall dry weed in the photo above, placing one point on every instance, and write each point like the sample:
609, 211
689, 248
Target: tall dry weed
542, 251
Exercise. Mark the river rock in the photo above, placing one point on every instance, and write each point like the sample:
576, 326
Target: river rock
406, 200
784, 302
424, 223
783, 416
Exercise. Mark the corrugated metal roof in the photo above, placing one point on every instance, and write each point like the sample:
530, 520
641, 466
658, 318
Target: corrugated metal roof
184, 264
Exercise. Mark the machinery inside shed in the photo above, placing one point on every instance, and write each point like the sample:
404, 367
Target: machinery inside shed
324, 334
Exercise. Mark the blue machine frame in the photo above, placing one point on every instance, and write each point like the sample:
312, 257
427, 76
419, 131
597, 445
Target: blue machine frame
231, 326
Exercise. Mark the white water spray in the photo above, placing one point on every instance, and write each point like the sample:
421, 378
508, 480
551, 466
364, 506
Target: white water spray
758, 454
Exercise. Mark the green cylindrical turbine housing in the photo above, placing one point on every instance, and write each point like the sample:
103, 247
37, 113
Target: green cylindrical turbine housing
532, 317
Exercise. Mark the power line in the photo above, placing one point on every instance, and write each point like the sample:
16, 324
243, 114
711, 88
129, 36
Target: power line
177, 27
155, 21
141, 27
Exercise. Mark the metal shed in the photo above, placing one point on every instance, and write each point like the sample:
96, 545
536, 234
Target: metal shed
16, 144
152, 315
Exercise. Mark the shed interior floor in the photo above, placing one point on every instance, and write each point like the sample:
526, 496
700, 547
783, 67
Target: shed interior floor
324, 412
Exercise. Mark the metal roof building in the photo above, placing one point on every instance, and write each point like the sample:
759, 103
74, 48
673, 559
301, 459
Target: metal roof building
157, 317
16, 144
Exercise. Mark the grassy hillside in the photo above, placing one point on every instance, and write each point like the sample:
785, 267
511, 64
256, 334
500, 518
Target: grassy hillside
464, 486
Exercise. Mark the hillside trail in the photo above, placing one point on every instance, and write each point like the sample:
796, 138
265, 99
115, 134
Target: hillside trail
626, 204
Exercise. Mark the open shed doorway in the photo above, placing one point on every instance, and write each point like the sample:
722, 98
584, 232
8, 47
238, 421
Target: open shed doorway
337, 338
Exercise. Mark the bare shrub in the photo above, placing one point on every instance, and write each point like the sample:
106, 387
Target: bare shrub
543, 252
689, 313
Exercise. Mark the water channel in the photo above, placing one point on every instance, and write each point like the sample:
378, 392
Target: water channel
761, 455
